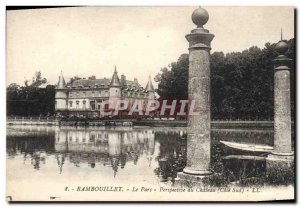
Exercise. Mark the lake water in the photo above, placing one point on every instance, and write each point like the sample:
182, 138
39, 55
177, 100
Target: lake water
44, 157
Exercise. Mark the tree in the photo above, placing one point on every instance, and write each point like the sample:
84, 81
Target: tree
242, 83
31, 100
37, 80
173, 83
74, 78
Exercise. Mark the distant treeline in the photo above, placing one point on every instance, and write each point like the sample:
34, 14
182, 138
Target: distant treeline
242, 83
31, 99
241, 86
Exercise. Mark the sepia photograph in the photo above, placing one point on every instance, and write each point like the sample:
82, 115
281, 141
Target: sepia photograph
150, 104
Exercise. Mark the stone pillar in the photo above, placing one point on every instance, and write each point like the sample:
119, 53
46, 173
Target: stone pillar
282, 157
198, 138
282, 103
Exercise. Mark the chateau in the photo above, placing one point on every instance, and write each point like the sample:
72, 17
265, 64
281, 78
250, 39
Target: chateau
84, 97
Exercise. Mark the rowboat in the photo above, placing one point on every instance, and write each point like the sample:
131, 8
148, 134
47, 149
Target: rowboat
248, 148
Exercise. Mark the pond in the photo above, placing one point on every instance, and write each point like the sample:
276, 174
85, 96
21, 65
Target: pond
54, 157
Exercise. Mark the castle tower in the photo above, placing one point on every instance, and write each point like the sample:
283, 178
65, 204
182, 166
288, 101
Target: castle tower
114, 89
61, 95
150, 89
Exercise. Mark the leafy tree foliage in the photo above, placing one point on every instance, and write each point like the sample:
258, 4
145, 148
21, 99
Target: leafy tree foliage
242, 83
36, 81
31, 100
74, 79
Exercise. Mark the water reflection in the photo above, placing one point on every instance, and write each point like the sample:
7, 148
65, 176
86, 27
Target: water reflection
109, 147
164, 151
157, 152
171, 159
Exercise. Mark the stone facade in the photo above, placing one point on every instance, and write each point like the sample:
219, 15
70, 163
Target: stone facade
84, 97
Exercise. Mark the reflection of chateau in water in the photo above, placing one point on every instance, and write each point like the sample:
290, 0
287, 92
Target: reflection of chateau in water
109, 147
159, 152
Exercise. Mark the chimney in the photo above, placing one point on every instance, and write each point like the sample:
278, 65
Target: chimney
135, 80
123, 80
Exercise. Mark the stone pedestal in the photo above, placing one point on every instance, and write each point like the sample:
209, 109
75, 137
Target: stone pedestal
198, 138
280, 168
187, 180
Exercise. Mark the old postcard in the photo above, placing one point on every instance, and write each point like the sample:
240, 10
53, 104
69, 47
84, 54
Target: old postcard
150, 104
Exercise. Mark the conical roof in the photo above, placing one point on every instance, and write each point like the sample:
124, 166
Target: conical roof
61, 82
115, 81
149, 86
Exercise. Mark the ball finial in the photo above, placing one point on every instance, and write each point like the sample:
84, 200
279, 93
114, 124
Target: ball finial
281, 47
200, 17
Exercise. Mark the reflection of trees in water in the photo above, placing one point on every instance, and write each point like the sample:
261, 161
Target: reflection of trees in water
32, 147
116, 148
172, 154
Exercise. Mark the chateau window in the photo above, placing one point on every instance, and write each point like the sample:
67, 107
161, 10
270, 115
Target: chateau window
92, 137
84, 93
77, 104
70, 103
92, 104
84, 102
55, 104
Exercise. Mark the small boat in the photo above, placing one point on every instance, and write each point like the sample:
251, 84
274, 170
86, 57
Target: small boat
248, 148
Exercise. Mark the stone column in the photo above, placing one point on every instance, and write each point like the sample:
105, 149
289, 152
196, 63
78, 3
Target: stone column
279, 163
282, 103
198, 138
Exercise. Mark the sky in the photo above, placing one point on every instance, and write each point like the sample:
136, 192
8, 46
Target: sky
86, 41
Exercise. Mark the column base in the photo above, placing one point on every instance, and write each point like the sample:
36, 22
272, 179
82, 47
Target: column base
280, 160
197, 172
189, 180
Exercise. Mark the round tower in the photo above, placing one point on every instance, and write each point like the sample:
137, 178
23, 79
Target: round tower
114, 90
150, 89
61, 95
